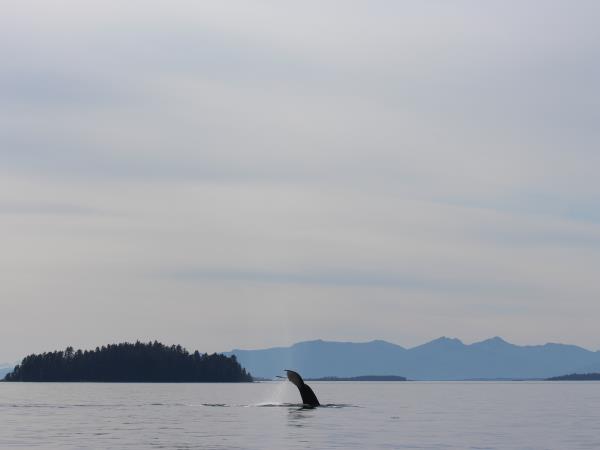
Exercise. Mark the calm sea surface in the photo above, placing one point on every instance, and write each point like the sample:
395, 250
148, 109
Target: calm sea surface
363, 415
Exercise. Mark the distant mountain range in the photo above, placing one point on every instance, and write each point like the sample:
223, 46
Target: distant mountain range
440, 359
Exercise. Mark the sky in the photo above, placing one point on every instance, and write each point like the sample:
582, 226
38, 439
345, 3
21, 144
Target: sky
250, 174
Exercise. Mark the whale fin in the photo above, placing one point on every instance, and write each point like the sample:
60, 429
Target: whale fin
307, 394
295, 378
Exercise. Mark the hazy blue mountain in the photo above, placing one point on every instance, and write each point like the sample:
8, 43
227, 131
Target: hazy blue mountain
440, 359
4, 369
322, 358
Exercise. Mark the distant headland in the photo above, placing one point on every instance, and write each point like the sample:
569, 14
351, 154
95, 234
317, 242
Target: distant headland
361, 378
577, 377
130, 362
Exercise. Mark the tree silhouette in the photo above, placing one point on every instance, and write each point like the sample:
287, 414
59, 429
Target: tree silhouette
127, 362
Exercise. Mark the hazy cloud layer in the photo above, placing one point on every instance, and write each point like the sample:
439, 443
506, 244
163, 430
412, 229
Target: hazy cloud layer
254, 173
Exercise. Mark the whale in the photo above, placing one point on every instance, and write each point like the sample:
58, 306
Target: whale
308, 396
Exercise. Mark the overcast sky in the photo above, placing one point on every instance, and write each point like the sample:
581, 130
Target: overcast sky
247, 174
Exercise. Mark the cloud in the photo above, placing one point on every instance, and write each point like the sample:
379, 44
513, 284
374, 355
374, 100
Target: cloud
376, 278
406, 169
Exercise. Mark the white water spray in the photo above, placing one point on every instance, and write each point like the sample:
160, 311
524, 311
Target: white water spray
280, 394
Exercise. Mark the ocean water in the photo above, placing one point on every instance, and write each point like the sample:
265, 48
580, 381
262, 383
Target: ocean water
357, 415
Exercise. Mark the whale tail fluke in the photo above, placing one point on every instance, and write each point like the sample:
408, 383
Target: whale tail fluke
307, 394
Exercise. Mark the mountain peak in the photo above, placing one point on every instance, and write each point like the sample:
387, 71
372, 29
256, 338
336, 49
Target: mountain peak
447, 339
494, 341
443, 341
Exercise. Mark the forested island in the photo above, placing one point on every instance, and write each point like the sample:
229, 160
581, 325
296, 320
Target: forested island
361, 378
577, 377
130, 362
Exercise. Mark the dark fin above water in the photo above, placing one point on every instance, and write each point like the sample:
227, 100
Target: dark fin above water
307, 394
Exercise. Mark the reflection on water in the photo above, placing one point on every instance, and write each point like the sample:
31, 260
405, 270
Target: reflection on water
359, 415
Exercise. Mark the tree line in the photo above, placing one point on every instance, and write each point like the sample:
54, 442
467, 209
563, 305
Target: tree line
130, 362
